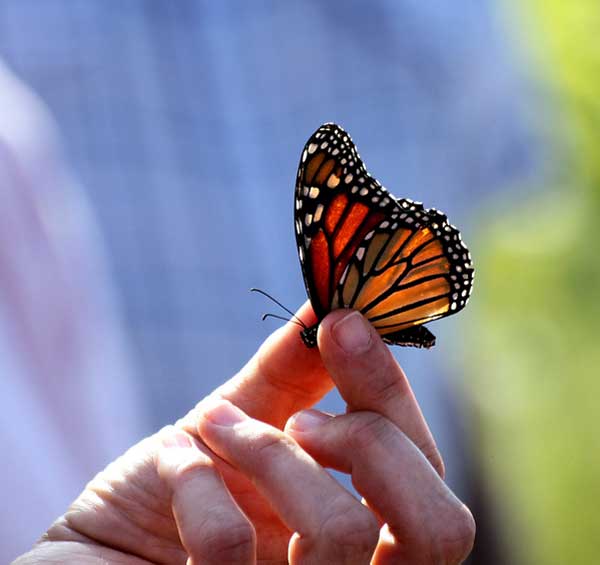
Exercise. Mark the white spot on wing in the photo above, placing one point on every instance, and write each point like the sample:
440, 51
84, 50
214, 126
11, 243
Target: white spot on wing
318, 212
344, 275
333, 181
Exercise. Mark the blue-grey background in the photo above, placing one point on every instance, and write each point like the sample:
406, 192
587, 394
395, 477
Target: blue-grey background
184, 123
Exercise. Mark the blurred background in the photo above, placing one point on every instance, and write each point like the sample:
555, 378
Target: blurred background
148, 153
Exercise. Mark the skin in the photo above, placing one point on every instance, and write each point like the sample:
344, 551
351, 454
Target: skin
241, 478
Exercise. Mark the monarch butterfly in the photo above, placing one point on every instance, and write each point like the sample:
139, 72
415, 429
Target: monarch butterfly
399, 264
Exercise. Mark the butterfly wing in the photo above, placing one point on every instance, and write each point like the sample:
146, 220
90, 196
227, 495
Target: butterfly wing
332, 216
398, 263
414, 269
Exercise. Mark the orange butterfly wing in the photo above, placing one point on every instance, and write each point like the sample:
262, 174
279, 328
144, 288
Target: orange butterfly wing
398, 263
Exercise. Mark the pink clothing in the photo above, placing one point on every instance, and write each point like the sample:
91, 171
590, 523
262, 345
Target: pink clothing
68, 403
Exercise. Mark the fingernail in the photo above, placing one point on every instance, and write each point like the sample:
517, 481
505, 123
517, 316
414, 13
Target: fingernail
352, 333
307, 420
177, 439
223, 413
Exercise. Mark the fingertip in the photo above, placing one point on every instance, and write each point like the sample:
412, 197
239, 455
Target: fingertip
348, 331
432, 453
172, 437
220, 412
349, 344
306, 421
177, 455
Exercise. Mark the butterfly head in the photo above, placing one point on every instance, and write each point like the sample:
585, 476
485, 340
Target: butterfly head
309, 336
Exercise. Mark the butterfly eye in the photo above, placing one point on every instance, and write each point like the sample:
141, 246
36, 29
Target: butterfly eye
360, 247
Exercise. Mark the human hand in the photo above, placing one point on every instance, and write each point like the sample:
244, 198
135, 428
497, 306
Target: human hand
227, 485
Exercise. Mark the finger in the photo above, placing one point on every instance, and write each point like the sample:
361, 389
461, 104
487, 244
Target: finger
369, 378
331, 525
396, 480
283, 377
211, 526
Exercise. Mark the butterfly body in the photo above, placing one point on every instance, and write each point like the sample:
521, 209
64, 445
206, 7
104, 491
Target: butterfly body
360, 247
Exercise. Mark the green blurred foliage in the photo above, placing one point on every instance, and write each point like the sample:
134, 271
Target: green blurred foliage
535, 351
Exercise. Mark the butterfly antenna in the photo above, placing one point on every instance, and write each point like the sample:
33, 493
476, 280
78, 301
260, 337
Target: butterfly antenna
299, 321
265, 316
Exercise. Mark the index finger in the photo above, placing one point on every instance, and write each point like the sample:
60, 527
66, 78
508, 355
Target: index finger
284, 376
369, 378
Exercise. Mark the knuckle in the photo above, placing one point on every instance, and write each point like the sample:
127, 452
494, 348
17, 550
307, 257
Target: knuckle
227, 539
351, 528
458, 536
449, 539
442, 537
270, 446
367, 429
197, 465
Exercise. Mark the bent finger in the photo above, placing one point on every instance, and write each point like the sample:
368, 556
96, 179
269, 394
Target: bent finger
211, 526
396, 480
369, 378
331, 525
